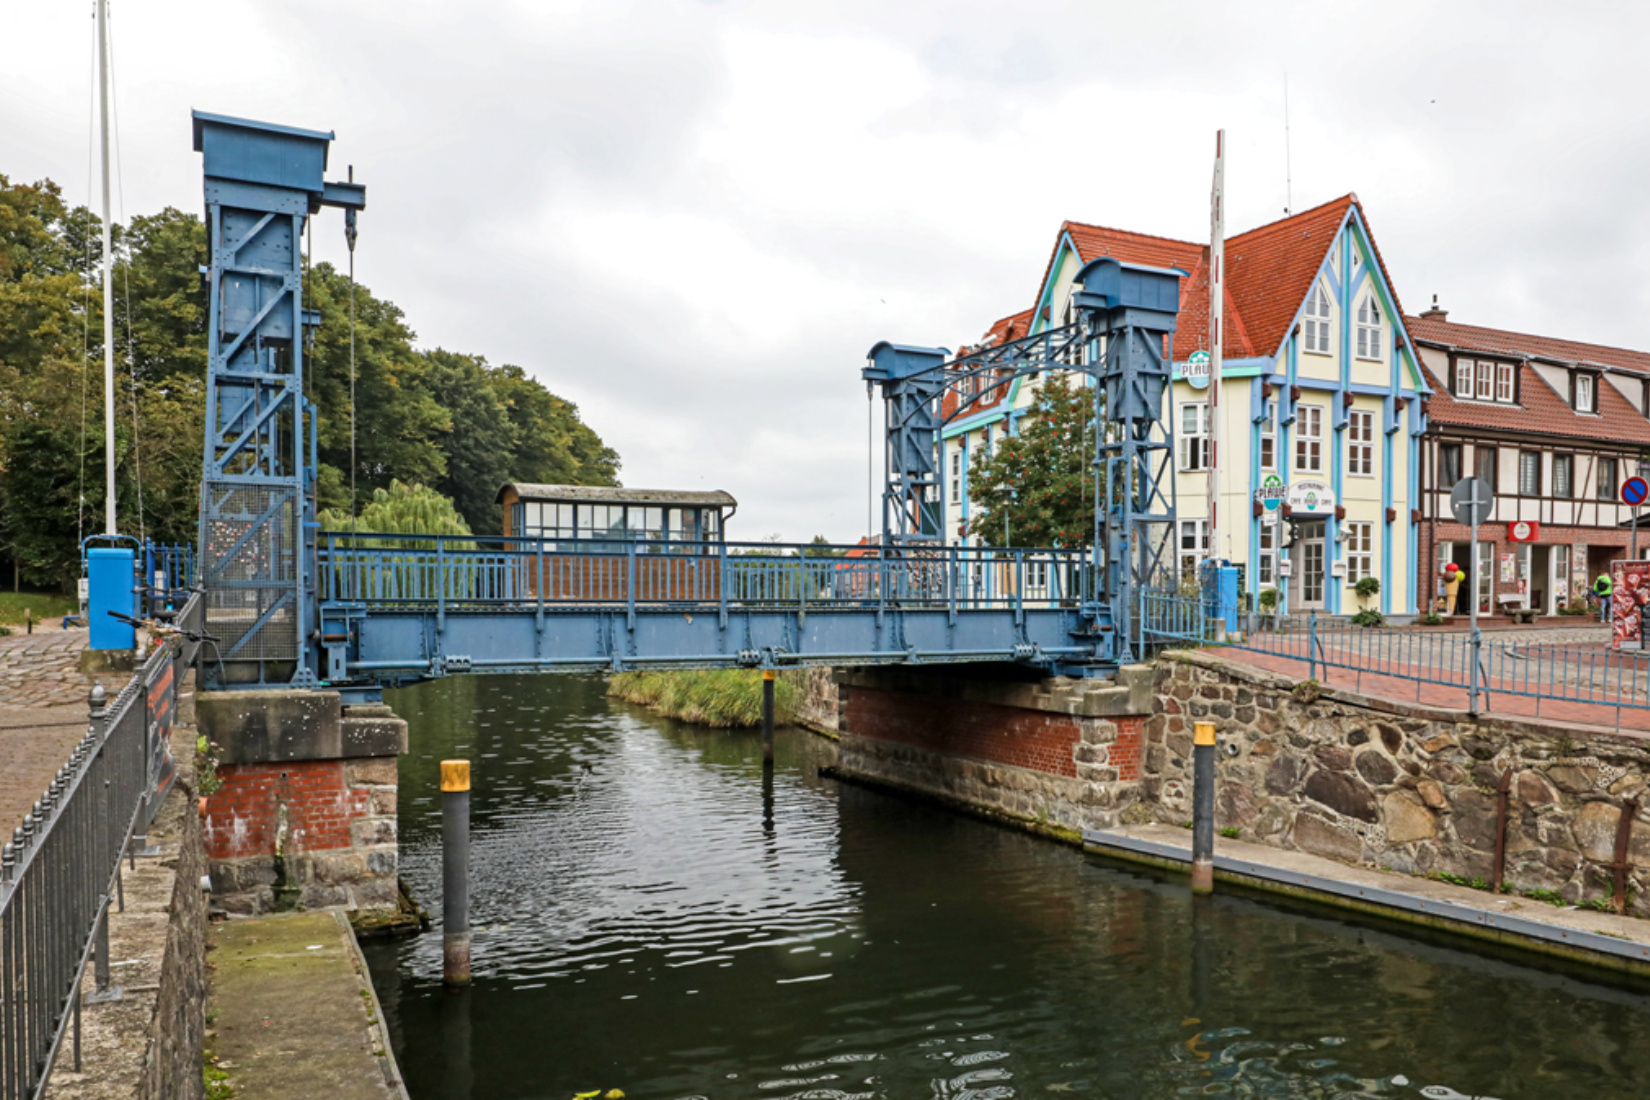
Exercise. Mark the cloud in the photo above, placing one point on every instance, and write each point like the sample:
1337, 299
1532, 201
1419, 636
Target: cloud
693, 219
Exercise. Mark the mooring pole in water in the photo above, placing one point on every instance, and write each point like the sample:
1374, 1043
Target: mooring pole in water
1203, 807
768, 676
455, 872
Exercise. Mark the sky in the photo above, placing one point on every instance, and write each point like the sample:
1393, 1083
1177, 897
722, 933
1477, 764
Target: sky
694, 219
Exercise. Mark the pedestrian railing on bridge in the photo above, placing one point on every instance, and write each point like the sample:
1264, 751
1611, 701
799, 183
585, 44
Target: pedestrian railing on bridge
60, 872
395, 571
1479, 666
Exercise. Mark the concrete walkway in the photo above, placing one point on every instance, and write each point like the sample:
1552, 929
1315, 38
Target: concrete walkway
1601, 939
293, 1011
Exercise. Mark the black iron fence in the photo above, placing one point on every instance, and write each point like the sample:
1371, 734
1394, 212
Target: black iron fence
61, 871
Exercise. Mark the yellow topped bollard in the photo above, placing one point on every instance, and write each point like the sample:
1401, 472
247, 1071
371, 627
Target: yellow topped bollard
1203, 807
455, 872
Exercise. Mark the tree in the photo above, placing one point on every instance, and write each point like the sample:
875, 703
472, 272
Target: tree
1037, 487
402, 509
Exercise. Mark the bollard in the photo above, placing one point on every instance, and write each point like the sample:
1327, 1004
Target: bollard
768, 676
28, 619
455, 872
1203, 807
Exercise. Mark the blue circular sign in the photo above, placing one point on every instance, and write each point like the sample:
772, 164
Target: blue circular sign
1634, 490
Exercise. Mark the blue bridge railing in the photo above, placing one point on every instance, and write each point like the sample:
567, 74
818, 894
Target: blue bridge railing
388, 571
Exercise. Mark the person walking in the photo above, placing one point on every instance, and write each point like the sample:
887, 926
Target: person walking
1602, 589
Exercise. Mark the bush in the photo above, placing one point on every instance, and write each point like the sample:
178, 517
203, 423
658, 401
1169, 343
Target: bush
1367, 587
1431, 618
1269, 599
1369, 617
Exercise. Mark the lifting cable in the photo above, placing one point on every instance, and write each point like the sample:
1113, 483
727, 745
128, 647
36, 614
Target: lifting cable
86, 303
349, 238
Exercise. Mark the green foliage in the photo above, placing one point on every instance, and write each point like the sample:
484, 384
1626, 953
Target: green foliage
1475, 883
1367, 587
401, 509
44, 606
1551, 897
206, 766
434, 418
1230, 832
721, 699
1368, 617
1431, 618
1269, 599
1037, 488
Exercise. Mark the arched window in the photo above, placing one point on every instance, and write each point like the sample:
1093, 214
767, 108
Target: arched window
1369, 327
1317, 320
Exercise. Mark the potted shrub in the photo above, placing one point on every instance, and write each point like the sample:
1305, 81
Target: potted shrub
1268, 606
1367, 589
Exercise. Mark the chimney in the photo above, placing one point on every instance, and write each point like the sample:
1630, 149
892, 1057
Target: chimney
1434, 314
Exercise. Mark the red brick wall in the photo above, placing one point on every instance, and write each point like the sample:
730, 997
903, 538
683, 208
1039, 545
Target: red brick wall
1603, 543
242, 815
1129, 747
1020, 738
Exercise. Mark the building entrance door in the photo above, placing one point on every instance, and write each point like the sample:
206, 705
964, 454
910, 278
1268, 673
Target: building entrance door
1312, 566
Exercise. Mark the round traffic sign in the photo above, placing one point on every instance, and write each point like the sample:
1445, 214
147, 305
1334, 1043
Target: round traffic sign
1634, 490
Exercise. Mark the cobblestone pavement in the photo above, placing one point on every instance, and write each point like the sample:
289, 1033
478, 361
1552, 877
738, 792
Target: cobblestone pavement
42, 669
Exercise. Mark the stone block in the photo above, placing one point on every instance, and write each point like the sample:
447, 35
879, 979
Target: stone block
1376, 767
1432, 794
1573, 780
1341, 793
375, 893
1594, 829
365, 831
1321, 837
1391, 737
1534, 791
379, 770
1472, 814
338, 868
234, 876
247, 903
318, 895
383, 801
1333, 757
1282, 775
1406, 818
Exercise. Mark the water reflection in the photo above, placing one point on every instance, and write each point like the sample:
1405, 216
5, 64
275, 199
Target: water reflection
657, 912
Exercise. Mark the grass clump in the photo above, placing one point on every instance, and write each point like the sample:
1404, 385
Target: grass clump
720, 698
1231, 832
44, 605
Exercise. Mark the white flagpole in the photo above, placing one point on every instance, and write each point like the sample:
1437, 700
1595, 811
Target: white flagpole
1217, 302
108, 277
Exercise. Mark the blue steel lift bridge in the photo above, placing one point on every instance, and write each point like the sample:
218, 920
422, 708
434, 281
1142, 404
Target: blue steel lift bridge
289, 605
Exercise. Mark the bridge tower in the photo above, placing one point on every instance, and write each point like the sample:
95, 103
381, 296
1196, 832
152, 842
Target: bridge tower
1122, 339
257, 514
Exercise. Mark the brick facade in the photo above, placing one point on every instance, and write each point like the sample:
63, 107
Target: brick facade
1603, 546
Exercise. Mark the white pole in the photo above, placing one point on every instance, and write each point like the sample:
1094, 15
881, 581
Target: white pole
108, 276
1217, 301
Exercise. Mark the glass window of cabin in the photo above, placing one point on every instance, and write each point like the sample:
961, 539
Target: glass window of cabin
585, 519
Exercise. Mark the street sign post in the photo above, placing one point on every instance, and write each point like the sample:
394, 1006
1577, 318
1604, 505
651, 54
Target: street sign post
1470, 502
1633, 492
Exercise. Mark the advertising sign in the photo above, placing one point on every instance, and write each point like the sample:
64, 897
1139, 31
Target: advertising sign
1196, 370
1311, 496
1627, 603
1523, 530
1272, 492
1580, 582
1507, 561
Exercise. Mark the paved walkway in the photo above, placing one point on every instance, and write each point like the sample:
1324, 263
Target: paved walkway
1605, 939
42, 669
294, 1011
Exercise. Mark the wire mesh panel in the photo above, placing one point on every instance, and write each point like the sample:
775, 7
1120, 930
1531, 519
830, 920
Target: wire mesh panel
250, 559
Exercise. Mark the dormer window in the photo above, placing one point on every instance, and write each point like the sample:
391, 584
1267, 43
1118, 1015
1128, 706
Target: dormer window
1483, 380
1317, 320
1586, 392
1369, 328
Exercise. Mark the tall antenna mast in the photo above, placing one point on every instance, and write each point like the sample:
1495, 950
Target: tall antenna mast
1217, 302
1288, 168
108, 277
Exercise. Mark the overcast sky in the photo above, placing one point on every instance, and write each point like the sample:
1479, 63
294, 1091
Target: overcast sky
693, 219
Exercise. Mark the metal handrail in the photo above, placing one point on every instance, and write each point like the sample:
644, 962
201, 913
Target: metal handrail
60, 870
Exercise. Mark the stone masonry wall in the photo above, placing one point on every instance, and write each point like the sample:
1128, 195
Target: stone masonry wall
1061, 753
1404, 787
818, 702
304, 833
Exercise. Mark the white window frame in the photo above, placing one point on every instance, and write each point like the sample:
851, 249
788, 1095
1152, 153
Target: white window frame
1464, 378
1586, 383
1194, 441
1360, 443
1360, 551
1369, 327
1266, 572
1308, 439
1504, 385
1484, 390
1318, 327
1269, 437
1567, 463
1189, 557
1523, 467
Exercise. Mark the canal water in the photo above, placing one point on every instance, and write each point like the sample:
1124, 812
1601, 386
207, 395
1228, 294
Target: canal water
652, 916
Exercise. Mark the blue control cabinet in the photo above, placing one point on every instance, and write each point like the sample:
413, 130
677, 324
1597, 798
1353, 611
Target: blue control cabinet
110, 570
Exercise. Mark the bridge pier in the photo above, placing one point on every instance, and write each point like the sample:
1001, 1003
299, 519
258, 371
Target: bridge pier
1057, 754
305, 813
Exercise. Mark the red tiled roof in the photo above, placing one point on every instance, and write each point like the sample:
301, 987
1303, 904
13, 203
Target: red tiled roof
1268, 272
1002, 331
1494, 341
1540, 411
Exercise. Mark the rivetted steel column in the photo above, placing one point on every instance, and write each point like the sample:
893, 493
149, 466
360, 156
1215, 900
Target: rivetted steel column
1203, 807
768, 676
455, 872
